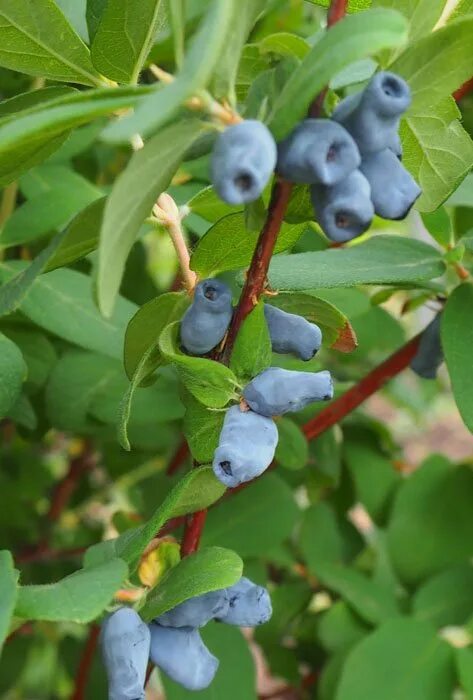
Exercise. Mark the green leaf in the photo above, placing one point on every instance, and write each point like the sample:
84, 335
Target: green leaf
62, 303
437, 151
148, 173
464, 664
177, 20
80, 238
196, 491
436, 65
8, 592
403, 658
320, 539
28, 138
95, 10
252, 350
229, 245
210, 382
380, 260
285, 44
145, 327
202, 428
457, 336
353, 38
37, 39
446, 599
207, 204
353, 5
372, 601
292, 451
463, 195
12, 374
80, 597
255, 520
236, 674
374, 477
199, 63
439, 225
38, 353
422, 14
226, 69
339, 628
209, 569
124, 36
431, 524
50, 210
336, 329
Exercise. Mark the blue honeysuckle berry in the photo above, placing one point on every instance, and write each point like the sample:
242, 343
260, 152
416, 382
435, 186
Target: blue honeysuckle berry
243, 160
206, 321
125, 642
196, 612
277, 391
292, 334
182, 655
393, 189
317, 151
250, 604
246, 447
429, 356
345, 210
372, 116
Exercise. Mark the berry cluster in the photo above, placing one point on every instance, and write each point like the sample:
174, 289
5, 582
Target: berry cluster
172, 641
351, 161
249, 435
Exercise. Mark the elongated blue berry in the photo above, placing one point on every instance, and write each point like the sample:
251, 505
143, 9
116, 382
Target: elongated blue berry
393, 189
182, 655
207, 319
429, 355
250, 605
246, 447
276, 391
345, 210
317, 151
125, 642
372, 117
196, 612
243, 161
292, 334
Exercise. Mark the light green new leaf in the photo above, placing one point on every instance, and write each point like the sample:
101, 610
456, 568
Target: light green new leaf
146, 326
457, 336
37, 39
336, 329
8, 592
229, 245
437, 64
124, 37
380, 260
292, 451
62, 303
212, 383
13, 372
94, 12
80, 597
210, 569
464, 7
197, 490
28, 138
252, 350
201, 58
437, 151
149, 173
402, 658
355, 37
177, 20
208, 204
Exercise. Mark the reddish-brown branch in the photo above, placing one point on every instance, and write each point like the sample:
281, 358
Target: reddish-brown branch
464, 90
66, 487
179, 457
83, 671
46, 554
193, 532
355, 396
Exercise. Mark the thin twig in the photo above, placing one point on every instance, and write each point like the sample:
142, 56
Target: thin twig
167, 213
179, 457
83, 671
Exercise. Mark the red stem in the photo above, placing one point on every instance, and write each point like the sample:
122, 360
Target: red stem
180, 456
369, 385
464, 90
82, 675
193, 532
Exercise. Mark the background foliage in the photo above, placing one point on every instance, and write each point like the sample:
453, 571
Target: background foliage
363, 537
